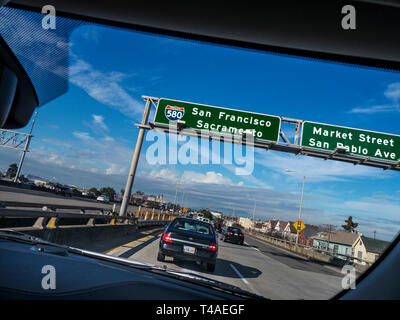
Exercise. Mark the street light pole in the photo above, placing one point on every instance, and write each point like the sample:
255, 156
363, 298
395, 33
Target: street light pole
135, 159
176, 192
254, 210
301, 205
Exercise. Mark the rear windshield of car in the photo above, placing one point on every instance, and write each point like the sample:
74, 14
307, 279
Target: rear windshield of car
193, 226
235, 230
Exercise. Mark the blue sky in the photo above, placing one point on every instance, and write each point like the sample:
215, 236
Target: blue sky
86, 137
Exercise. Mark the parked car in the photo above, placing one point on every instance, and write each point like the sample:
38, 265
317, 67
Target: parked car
233, 234
103, 198
189, 239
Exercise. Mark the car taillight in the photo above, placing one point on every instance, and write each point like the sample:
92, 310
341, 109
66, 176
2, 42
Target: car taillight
242, 235
212, 247
229, 233
167, 237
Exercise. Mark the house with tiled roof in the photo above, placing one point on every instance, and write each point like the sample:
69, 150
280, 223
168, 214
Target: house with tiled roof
266, 226
374, 248
274, 226
343, 243
284, 227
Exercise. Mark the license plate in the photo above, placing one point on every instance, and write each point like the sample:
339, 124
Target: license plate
188, 249
236, 234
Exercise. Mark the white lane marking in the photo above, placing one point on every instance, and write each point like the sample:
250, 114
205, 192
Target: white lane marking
239, 274
252, 247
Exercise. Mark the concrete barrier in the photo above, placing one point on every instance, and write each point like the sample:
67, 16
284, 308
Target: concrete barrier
88, 237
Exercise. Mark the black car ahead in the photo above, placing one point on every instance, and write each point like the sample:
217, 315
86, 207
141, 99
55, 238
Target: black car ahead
189, 239
233, 234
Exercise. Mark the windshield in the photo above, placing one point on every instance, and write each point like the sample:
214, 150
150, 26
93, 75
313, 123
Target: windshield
305, 183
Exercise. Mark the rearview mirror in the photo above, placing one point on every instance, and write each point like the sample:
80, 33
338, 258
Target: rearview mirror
18, 98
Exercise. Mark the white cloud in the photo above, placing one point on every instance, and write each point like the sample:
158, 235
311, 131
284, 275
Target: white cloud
115, 169
105, 87
208, 177
373, 109
190, 177
82, 135
99, 121
315, 169
392, 92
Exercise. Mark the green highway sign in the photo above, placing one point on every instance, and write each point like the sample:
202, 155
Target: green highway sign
355, 141
217, 119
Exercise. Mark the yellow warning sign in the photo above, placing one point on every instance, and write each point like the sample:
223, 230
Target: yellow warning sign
299, 225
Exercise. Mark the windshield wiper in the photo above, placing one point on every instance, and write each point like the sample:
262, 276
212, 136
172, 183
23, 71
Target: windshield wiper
23, 237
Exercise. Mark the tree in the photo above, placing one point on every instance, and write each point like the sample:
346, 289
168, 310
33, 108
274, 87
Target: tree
122, 191
350, 225
12, 170
207, 214
95, 191
219, 220
109, 192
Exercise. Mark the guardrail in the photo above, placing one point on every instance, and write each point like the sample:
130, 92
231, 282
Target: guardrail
292, 245
38, 215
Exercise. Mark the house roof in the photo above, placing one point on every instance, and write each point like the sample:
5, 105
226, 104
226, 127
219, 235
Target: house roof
375, 245
282, 225
274, 223
338, 236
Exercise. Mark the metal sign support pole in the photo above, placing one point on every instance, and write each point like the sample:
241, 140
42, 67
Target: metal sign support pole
301, 204
135, 159
28, 140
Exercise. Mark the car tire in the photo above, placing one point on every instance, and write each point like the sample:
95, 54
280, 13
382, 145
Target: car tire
160, 257
210, 267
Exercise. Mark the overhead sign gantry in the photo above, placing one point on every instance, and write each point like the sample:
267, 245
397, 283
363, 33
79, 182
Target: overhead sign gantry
360, 147
354, 141
218, 120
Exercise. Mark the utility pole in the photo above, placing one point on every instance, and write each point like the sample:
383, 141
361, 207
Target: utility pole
28, 140
375, 235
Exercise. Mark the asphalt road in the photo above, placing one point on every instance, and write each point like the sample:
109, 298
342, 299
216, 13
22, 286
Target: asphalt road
256, 266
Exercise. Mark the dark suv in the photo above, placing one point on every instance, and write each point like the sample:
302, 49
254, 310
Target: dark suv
233, 234
189, 239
